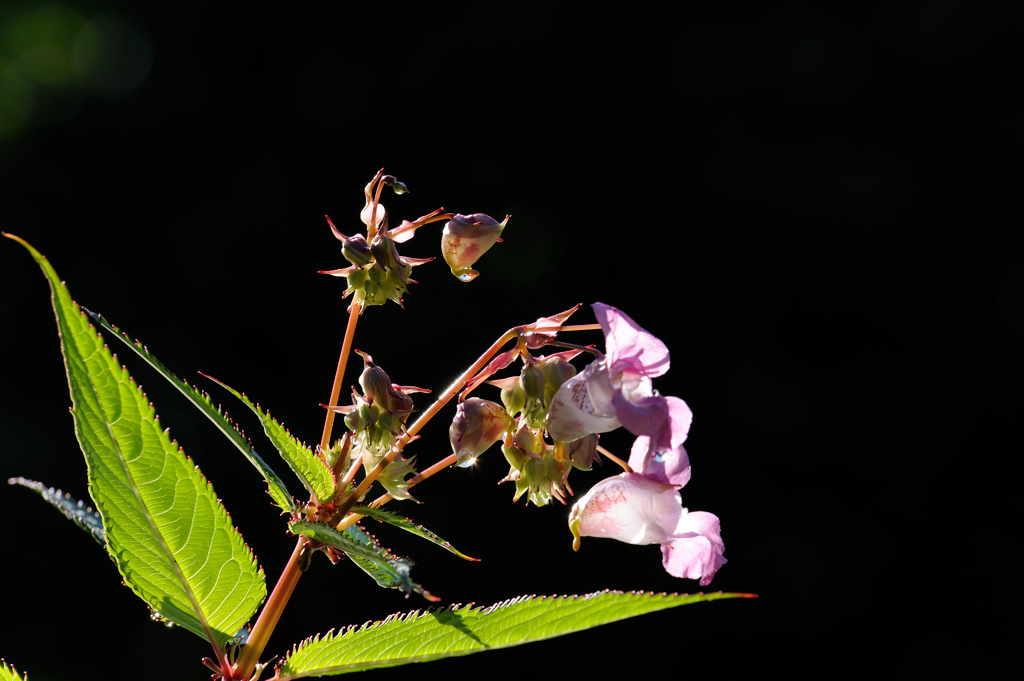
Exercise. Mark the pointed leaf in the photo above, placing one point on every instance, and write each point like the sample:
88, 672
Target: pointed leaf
312, 470
387, 569
10, 673
420, 636
407, 525
170, 537
75, 511
276, 487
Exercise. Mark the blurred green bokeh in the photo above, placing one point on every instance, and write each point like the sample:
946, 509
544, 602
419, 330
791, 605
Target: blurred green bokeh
53, 55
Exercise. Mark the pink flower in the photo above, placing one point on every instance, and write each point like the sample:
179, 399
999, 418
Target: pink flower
646, 508
616, 390
467, 237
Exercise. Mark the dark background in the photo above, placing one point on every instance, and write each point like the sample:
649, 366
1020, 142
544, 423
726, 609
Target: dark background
810, 205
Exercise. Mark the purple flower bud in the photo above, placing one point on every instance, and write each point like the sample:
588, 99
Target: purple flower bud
356, 250
477, 425
466, 238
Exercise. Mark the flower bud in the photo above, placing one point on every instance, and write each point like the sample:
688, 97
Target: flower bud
513, 398
356, 250
384, 252
353, 421
465, 239
516, 459
376, 385
583, 452
535, 410
477, 425
368, 414
556, 372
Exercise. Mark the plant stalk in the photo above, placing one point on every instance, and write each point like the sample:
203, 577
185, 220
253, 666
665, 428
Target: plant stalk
339, 374
271, 612
269, 616
622, 464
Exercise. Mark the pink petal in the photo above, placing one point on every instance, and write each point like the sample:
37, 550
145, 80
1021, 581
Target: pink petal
631, 508
627, 345
671, 467
647, 416
695, 551
582, 405
680, 418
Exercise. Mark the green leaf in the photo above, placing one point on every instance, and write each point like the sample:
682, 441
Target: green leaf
387, 569
9, 673
75, 511
312, 470
170, 537
275, 486
409, 526
420, 636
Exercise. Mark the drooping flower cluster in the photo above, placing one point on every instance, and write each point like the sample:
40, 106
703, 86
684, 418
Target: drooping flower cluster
645, 508
616, 390
376, 419
551, 421
377, 273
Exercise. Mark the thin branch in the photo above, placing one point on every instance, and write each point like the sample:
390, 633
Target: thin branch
620, 462
270, 615
339, 374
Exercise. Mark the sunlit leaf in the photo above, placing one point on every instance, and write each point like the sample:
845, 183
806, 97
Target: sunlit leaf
8, 673
307, 464
275, 486
420, 636
169, 535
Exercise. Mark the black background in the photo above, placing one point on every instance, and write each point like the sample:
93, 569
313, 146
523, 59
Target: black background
810, 205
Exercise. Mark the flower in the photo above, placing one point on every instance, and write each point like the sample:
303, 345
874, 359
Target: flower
467, 237
646, 508
477, 425
616, 390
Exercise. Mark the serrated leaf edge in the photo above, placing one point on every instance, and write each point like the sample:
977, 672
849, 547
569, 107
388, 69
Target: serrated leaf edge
62, 501
408, 525
202, 401
9, 673
469, 609
320, 472
57, 287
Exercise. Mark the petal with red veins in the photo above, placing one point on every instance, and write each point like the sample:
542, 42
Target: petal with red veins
583, 405
630, 507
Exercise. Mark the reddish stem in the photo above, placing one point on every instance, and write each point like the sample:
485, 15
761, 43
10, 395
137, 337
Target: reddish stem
269, 617
271, 612
346, 350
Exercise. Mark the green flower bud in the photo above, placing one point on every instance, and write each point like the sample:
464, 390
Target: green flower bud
556, 372
368, 414
534, 409
515, 458
513, 398
384, 252
353, 421
356, 250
